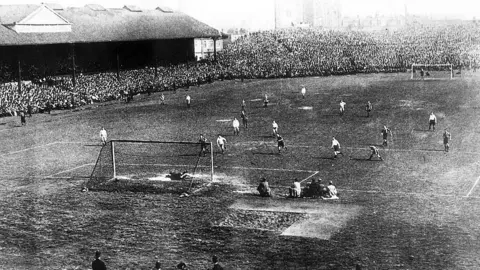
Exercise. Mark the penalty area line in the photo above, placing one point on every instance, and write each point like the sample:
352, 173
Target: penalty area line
310, 176
473, 187
69, 170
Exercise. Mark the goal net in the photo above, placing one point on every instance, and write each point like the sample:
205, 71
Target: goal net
151, 166
432, 72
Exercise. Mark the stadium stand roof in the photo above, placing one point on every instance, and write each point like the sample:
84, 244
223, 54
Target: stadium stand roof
94, 24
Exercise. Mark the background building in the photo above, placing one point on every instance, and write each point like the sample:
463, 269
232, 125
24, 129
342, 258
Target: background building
314, 13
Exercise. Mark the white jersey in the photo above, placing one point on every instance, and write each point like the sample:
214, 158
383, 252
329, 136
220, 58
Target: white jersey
188, 99
432, 117
342, 105
103, 133
274, 125
236, 123
221, 140
335, 143
304, 91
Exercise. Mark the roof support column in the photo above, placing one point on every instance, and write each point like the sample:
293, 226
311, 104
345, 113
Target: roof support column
74, 79
19, 76
214, 49
118, 63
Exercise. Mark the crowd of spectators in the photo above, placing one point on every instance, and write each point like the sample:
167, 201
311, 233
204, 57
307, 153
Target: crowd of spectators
313, 52
268, 54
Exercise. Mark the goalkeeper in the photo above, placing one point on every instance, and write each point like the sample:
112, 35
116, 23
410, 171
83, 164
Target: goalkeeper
203, 145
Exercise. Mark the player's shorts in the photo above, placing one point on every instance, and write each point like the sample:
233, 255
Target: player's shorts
432, 122
281, 144
336, 148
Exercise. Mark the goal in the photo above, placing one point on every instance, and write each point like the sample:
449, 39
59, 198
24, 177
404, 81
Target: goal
432, 72
151, 166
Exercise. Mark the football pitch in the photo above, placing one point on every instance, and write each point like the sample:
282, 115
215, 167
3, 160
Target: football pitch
416, 209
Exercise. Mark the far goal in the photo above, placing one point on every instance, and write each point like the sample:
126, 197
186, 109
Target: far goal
432, 72
151, 166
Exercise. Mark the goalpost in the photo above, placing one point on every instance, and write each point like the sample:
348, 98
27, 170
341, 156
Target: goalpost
432, 71
145, 166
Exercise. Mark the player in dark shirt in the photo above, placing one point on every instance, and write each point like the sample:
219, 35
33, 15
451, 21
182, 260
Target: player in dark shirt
203, 144
385, 132
368, 108
280, 142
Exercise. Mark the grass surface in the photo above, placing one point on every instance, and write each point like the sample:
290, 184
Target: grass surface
418, 209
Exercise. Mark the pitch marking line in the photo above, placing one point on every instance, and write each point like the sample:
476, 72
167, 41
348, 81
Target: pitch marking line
40, 146
27, 149
310, 176
69, 170
473, 187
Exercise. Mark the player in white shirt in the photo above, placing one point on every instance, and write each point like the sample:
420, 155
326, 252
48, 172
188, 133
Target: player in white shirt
304, 91
374, 150
188, 100
432, 121
221, 141
342, 107
162, 99
265, 101
236, 126
103, 136
336, 147
274, 128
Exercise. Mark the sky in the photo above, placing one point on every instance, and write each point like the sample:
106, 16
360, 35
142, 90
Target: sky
259, 14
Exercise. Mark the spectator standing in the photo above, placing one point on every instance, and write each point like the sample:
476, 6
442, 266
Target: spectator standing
98, 264
216, 264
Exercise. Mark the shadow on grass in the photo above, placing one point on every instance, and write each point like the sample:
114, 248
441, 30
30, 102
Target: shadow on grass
422, 130
266, 137
266, 154
327, 158
365, 159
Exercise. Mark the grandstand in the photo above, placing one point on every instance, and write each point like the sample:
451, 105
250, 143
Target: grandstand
62, 40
